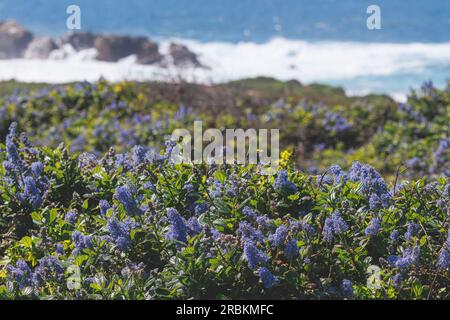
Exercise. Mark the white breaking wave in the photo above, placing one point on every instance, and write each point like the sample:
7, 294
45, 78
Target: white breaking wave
279, 58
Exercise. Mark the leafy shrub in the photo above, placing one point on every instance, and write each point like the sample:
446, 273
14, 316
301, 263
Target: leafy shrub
127, 227
106, 215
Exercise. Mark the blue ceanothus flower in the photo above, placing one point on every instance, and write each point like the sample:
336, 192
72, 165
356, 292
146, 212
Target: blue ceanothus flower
334, 225
253, 255
80, 242
119, 232
37, 168
397, 280
412, 230
302, 226
444, 255
409, 258
71, 217
150, 186
373, 228
444, 259
250, 213
14, 161
338, 174
59, 249
21, 273
194, 227
189, 188
395, 234
267, 278
31, 193
104, 206
248, 233
279, 237
291, 249
373, 185
334, 122
138, 155
49, 268
282, 185
347, 288
178, 230
334, 174
125, 197
201, 208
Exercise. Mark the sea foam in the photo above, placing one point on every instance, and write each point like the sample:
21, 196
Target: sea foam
337, 63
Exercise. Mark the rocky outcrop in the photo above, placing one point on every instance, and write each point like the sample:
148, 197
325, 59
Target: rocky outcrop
183, 57
40, 48
79, 40
113, 48
149, 54
14, 39
17, 42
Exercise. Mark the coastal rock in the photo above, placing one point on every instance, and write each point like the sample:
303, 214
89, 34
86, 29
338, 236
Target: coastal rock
40, 48
79, 40
113, 48
149, 53
14, 39
183, 57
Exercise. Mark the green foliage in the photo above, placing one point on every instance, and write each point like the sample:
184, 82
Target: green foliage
124, 222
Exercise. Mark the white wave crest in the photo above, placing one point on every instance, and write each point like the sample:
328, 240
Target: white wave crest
329, 62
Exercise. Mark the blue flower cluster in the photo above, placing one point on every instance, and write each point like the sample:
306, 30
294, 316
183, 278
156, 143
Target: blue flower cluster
409, 258
80, 242
373, 185
119, 232
291, 249
194, 227
444, 256
21, 273
249, 233
279, 237
333, 226
267, 278
49, 268
178, 230
412, 230
30, 193
282, 185
347, 288
253, 255
71, 217
334, 122
125, 197
373, 228
14, 163
104, 206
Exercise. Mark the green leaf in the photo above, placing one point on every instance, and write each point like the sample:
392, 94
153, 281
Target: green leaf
220, 176
80, 259
27, 242
294, 197
53, 215
423, 240
222, 206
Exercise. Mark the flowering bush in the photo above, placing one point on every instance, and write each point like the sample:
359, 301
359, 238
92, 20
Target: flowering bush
411, 138
132, 230
133, 225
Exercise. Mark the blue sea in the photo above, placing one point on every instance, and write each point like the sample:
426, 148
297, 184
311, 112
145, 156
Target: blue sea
323, 41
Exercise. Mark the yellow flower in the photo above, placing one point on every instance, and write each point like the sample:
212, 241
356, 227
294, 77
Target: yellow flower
117, 88
285, 157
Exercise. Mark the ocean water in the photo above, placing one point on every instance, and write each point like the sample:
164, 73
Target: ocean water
323, 41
